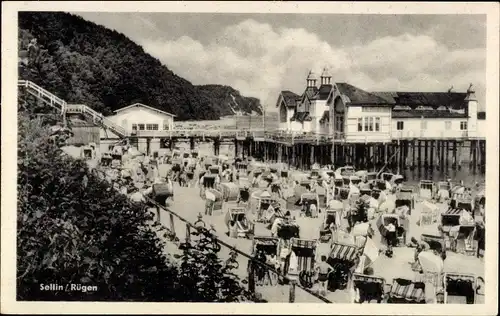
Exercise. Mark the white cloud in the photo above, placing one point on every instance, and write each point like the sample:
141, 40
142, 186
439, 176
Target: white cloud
260, 60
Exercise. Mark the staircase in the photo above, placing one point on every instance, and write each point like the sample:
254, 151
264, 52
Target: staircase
64, 108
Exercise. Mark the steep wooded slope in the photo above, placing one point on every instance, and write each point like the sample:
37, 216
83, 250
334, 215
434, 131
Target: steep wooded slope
83, 62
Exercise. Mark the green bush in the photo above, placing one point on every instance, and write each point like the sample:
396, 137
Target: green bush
72, 228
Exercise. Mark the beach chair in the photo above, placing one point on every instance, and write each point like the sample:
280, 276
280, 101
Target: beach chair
368, 288
342, 258
405, 291
244, 227
427, 189
428, 213
305, 250
460, 287
214, 200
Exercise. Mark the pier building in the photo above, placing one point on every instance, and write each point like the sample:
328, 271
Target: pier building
333, 123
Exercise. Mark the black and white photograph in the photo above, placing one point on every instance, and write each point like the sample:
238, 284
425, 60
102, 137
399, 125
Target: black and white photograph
290, 153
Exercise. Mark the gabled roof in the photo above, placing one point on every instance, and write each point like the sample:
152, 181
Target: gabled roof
290, 98
388, 96
144, 106
454, 100
358, 96
324, 91
310, 92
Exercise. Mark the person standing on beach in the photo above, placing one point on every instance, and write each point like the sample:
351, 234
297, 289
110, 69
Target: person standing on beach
323, 269
390, 237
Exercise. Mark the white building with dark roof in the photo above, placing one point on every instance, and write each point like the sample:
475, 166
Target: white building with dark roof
351, 114
139, 120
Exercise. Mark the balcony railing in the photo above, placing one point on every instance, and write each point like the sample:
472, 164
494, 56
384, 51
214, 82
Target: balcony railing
291, 136
429, 134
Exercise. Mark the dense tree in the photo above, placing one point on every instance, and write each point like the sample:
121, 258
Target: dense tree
83, 62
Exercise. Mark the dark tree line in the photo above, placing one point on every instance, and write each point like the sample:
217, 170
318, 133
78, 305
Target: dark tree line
83, 62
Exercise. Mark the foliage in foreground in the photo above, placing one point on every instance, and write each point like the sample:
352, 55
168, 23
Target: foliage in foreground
72, 228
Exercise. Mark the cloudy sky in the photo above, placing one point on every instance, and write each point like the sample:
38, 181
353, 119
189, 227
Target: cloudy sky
261, 54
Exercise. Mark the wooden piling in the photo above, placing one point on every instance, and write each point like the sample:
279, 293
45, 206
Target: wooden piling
413, 154
369, 157
386, 149
454, 164
460, 155
401, 146
192, 143
426, 152
407, 154
431, 162
312, 159
441, 155
447, 153
280, 149
471, 150
483, 154
438, 155
419, 143
476, 153
333, 154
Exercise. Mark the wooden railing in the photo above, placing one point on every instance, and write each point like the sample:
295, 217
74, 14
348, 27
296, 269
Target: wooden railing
43, 95
63, 107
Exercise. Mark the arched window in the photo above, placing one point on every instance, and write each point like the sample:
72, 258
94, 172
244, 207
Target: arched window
283, 113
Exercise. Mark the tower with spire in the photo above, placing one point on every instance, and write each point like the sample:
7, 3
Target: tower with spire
326, 78
472, 108
311, 79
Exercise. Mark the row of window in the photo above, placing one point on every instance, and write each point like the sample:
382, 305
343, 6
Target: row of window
370, 124
149, 127
423, 125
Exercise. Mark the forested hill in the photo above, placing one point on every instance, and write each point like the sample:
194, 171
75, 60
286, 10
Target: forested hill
231, 98
83, 62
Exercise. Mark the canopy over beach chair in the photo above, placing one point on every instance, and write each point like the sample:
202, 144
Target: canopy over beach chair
368, 288
462, 285
405, 291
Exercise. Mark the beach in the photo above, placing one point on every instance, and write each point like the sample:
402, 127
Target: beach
189, 204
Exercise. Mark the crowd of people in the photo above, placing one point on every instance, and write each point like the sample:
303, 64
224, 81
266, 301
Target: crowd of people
192, 172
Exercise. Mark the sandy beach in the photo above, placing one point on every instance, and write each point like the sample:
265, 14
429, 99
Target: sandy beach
189, 204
